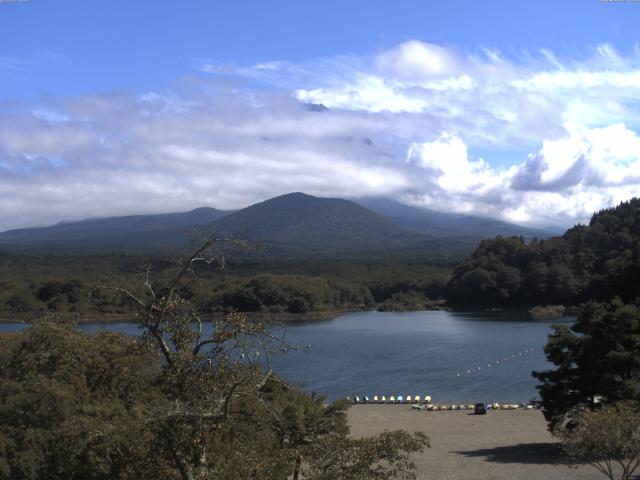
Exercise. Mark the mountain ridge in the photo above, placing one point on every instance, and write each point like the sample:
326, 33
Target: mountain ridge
292, 224
445, 224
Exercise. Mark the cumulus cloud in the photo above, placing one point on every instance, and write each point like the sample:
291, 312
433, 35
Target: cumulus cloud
567, 179
450, 169
404, 122
415, 60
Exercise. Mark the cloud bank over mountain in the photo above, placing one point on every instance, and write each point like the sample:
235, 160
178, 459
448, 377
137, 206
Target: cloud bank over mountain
426, 124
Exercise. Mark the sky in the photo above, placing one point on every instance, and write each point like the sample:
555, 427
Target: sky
524, 111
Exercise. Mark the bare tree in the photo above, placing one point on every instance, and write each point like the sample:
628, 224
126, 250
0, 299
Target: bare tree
206, 369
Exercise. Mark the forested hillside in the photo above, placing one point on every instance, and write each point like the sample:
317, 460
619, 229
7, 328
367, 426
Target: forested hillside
31, 285
596, 261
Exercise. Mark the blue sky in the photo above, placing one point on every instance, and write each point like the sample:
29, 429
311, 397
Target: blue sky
526, 111
71, 47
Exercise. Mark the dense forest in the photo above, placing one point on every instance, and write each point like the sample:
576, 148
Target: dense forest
596, 261
31, 285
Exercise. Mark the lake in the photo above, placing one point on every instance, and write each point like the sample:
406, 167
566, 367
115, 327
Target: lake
452, 356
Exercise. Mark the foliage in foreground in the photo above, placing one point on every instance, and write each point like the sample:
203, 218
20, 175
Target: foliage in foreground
81, 406
75, 405
608, 439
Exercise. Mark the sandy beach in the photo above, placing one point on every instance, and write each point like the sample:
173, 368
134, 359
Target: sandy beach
507, 444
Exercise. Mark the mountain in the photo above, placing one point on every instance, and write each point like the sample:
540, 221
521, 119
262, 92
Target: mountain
117, 233
297, 223
440, 224
292, 225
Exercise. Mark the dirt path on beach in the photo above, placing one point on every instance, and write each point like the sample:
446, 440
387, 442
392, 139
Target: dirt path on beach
500, 445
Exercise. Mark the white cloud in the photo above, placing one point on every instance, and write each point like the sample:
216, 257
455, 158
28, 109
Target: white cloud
368, 93
448, 163
414, 60
404, 122
155, 153
568, 179
484, 96
599, 158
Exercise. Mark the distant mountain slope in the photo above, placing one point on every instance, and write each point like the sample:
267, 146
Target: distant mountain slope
292, 225
134, 231
441, 224
295, 224
298, 223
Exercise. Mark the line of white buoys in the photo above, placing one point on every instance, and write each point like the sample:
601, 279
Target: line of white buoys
497, 362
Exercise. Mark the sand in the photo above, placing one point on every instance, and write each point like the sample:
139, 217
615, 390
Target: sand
508, 444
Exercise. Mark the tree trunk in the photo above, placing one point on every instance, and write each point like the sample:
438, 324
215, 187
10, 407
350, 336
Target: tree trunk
296, 470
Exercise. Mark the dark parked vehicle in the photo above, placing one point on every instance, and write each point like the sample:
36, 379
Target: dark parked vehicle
480, 409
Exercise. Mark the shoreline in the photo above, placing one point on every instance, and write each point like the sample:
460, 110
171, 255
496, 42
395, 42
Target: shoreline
111, 318
282, 317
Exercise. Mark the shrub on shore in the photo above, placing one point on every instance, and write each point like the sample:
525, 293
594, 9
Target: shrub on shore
548, 311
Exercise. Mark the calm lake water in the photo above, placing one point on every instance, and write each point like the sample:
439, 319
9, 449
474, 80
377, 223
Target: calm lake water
412, 353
